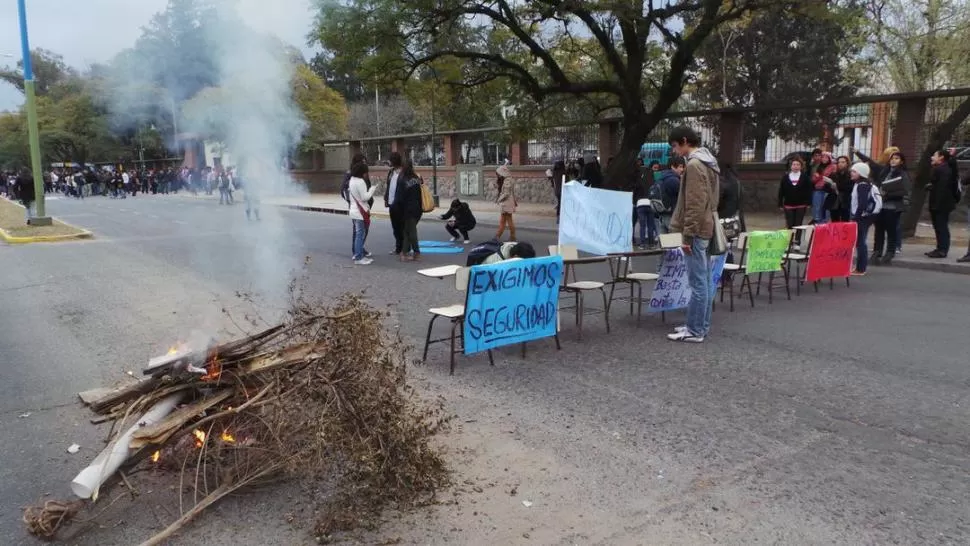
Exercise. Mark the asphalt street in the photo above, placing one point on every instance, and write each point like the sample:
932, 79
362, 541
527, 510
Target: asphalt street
838, 417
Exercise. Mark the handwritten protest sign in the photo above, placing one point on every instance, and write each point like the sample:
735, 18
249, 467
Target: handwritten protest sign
832, 249
672, 290
511, 302
766, 249
596, 221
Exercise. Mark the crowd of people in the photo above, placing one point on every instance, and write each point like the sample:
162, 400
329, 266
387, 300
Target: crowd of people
874, 193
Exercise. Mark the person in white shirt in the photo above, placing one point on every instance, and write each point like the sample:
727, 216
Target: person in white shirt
359, 209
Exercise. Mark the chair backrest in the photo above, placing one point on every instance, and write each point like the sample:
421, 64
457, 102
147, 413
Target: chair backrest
741, 245
568, 252
461, 279
671, 240
805, 244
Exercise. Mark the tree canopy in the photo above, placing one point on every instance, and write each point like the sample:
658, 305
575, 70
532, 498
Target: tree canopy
614, 53
779, 56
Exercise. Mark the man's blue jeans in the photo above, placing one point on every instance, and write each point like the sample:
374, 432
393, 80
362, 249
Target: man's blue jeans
701, 291
819, 214
359, 232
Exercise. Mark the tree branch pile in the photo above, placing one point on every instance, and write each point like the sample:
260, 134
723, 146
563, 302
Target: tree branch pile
322, 396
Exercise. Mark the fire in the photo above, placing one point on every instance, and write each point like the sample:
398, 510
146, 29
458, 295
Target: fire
173, 350
213, 371
227, 438
199, 437
156, 456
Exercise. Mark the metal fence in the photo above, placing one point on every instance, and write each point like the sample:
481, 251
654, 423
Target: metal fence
554, 143
937, 110
483, 148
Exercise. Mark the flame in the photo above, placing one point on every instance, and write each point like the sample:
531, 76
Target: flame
173, 350
156, 456
227, 438
213, 371
199, 437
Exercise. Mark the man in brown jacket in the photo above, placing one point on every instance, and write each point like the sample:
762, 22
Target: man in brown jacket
694, 219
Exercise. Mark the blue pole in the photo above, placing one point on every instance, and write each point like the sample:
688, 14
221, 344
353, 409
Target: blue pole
32, 130
25, 42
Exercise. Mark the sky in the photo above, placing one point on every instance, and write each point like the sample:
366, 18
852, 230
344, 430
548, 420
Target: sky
93, 31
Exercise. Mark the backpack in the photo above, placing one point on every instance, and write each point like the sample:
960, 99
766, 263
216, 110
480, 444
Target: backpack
481, 252
655, 195
427, 200
864, 194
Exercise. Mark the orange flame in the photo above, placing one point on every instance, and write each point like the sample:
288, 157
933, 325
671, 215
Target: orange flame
213, 371
227, 438
199, 437
156, 456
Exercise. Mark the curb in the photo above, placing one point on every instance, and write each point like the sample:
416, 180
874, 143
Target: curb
941, 267
14, 240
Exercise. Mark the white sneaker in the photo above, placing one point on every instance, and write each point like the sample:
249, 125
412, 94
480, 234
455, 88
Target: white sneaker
363, 261
467, 242
453, 239
685, 336
678, 329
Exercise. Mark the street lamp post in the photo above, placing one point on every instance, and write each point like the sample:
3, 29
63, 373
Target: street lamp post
34, 134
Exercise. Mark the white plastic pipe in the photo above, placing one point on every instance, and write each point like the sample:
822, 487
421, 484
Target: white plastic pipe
87, 483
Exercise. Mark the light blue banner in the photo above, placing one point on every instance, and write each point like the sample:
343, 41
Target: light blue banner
511, 302
596, 221
672, 290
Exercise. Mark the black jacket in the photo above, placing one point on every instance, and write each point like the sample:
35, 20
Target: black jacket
399, 191
795, 195
730, 200
462, 214
942, 192
894, 187
25, 189
409, 197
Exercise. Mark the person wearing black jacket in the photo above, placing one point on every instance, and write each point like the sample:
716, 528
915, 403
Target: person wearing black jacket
894, 187
411, 212
394, 199
795, 193
25, 192
460, 220
943, 194
843, 186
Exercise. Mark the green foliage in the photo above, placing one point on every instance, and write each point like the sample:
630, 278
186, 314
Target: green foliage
49, 71
604, 54
780, 56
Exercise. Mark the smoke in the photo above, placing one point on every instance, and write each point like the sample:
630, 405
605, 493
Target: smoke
231, 78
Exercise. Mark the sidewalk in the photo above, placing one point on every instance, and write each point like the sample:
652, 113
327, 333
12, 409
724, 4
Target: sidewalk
542, 217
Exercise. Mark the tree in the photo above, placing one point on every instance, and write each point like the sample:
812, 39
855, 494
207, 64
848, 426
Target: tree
397, 117
49, 71
13, 141
515, 42
323, 108
919, 45
781, 56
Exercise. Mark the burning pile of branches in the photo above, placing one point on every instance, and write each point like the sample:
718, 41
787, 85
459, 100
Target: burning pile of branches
321, 396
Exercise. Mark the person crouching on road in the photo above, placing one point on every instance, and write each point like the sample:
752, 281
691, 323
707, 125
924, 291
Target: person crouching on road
460, 220
359, 209
866, 204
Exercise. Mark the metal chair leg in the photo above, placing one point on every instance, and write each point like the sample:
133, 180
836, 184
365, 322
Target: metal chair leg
454, 328
639, 302
631, 298
491, 360
523, 349
558, 346
731, 292
579, 320
606, 313
427, 340
771, 287
580, 311
758, 293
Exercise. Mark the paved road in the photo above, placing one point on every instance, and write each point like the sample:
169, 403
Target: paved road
839, 417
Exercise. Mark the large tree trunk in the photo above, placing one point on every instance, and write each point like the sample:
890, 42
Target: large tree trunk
624, 172
936, 141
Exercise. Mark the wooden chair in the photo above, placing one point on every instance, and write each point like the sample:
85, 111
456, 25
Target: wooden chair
456, 314
739, 268
624, 274
579, 288
799, 248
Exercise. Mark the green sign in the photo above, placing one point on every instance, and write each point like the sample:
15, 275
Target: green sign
766, 249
